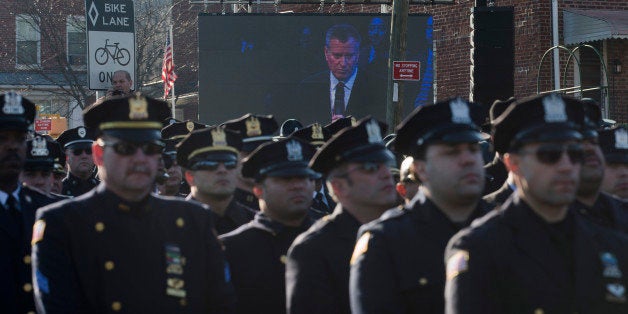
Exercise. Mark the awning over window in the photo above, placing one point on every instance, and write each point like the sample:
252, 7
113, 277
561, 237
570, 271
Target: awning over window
581, 26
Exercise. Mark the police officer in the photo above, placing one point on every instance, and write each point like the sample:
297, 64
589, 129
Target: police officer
172, 182
40, 163
209, 158
119, 247
256, 252
591, 202
59, 171
18, 206
322, 202
77, 143
255, 131
534, 255
397, 265
614, 143
408, 185
356, 164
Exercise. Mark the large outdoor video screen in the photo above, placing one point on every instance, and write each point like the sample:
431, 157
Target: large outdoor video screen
283, 64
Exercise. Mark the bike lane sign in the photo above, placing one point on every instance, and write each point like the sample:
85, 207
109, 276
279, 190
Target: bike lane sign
110, 40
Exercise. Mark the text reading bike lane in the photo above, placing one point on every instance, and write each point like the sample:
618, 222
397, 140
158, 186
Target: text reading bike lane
111, 40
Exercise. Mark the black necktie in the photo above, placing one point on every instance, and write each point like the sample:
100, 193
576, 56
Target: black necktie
339, 99
321, 203
13, 209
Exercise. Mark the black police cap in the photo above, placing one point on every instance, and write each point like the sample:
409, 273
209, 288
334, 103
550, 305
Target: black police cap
288, 157
42, 154
254, 129
289, 126
614, 144
18, 113
451, 121
208, 144
134, 118
314, 133
539, 118
179, 130
341, 123
592, 118
77, 137
360, 143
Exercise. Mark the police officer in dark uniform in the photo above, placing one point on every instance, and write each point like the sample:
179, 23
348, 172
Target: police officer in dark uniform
591, 202
82, 176
255, 131
119, 247
40, 163
397, 265
315, 134
172, 182
614, 143
356, 164
18, 206
534, 254
209, 158
256, 252
59, 171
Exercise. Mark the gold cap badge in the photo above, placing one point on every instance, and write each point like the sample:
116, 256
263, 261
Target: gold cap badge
253, 127
138, 108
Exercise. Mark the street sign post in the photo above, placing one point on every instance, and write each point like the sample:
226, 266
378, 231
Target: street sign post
43, 125
110, 40
406, 70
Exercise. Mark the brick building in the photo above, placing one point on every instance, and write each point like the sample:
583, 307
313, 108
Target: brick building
599, 24
43, 55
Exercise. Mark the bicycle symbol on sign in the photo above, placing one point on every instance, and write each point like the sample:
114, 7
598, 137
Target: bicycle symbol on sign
120, 55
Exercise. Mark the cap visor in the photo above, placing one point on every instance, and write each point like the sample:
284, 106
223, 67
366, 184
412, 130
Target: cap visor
13, 125
135, 135
463, 136
380, 155
79, 145
294, 172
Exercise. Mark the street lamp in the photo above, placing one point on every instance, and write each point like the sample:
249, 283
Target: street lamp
616, 66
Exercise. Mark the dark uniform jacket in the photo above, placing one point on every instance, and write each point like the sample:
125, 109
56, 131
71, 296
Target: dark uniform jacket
496, 175
497, 198
75, 186
100, 254
246, 198
235, 216
317, 272
401, 268
608, 211
256, 253
512, 261
16, 289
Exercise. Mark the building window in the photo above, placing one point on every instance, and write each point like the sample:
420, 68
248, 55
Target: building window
28, 40
77, 49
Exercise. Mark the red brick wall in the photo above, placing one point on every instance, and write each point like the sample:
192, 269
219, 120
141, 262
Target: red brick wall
533, 36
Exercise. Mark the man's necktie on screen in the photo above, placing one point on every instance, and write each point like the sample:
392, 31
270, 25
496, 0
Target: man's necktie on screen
339, 100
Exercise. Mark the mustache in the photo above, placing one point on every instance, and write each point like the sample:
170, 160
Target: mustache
142, 169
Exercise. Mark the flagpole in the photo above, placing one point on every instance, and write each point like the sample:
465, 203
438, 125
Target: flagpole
172, 89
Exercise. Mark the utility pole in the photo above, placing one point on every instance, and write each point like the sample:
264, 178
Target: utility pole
397, 52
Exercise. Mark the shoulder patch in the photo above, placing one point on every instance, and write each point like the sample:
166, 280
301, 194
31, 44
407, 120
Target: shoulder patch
38, 231
457, 264
361, 247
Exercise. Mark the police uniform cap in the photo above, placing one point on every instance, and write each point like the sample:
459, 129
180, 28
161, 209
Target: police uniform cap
360, 143
254, 129
18, 113
173, 133
592, 118
539, 118
288, 157
614, 144
341, 123
42, 154
134, 118
451, 121
79, 137
314, 133
289, 126
208, 144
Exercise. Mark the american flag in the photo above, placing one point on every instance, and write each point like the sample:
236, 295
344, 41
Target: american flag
167, 69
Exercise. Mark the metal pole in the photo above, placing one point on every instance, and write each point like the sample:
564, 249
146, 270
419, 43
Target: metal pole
397, 52
172, 89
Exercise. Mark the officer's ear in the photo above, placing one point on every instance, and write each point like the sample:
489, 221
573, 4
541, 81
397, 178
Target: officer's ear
97, 153
511, 161
189, 177
401, 189
419, 169
258, 191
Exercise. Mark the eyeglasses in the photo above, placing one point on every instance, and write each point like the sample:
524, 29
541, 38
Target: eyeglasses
550, 154
213, 165
128, 148
79, 151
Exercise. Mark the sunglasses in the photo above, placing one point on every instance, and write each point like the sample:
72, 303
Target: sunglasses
213, 165
550, 154
79, 151
128, 148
